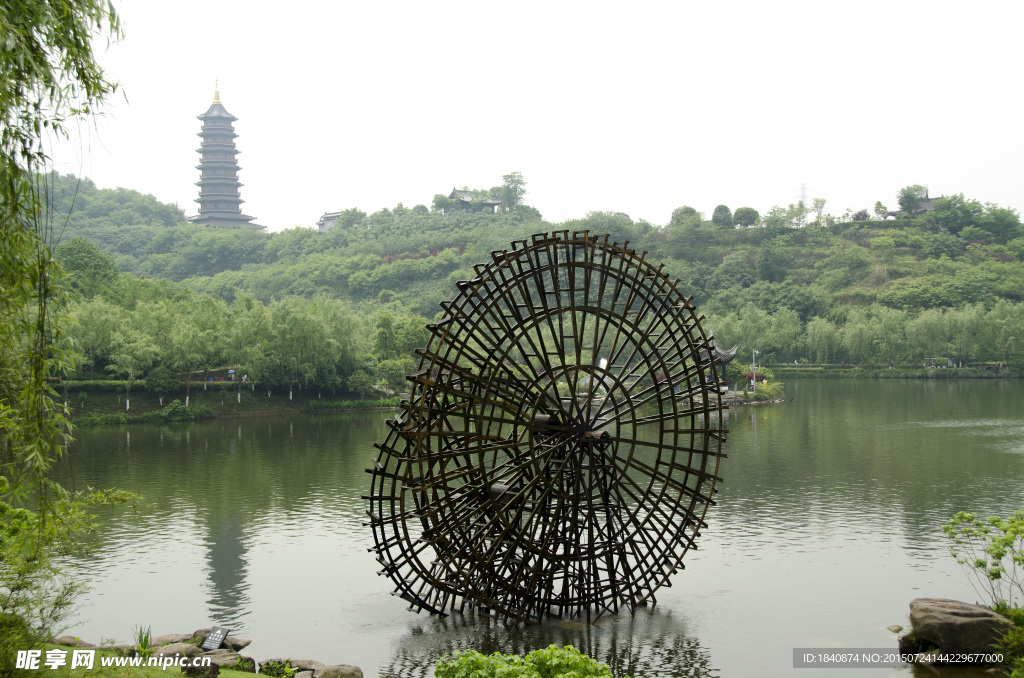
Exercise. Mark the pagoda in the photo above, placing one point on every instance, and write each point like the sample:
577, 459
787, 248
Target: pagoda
220, 203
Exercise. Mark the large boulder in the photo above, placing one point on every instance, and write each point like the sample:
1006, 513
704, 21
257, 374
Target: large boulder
169, 638
957, 627
339, 671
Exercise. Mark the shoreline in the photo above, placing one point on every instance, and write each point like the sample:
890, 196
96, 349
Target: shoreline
102, 402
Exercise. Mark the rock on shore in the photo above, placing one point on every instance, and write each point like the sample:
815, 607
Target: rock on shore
956, 627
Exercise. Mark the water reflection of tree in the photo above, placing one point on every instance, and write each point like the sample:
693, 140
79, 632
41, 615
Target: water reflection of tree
651, 643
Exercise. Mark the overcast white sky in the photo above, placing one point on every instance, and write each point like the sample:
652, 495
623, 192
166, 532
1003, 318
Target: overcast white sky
633, 107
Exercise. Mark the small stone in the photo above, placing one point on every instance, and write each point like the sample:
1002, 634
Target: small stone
895, 628
71, 641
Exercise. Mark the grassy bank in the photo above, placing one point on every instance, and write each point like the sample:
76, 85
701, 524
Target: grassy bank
103, 402
846, 371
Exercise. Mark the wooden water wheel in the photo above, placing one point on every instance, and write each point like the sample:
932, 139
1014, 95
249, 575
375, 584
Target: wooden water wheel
560, 445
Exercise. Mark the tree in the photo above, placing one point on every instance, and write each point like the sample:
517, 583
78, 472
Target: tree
91, 270
49, 76
130, 357
745, 217
513, 189
911, 197
819, 210
1003, 223
821, 339
443, 204
385, 341
860, 215
722, 217
954, 213
684, 215
360, 383
96, 322
880, 210
161, 380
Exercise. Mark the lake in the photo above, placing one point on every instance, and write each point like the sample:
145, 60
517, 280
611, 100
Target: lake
828, 524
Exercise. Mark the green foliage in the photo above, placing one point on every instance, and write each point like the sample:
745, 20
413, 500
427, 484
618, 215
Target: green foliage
550, 662
90, 270
991, 553
50, 76
174, 412
143, 641
722, 217
513, 189
14, 636
1012, 644
771, 391
911, 197
377, 280
161, 379
745, 217
772, 261
278, 669
35, 595
684, 215
360, 383
244, 665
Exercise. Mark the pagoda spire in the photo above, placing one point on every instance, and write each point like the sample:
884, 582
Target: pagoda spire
219, 198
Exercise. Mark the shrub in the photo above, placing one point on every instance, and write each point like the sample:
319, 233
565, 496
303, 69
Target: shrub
991, 553
279, 669
771, 391
174, 411
354, 404
551, 662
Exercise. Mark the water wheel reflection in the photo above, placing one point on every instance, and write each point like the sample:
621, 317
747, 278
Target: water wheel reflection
561, 442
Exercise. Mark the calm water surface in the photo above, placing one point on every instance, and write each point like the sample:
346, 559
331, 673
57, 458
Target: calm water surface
828, 524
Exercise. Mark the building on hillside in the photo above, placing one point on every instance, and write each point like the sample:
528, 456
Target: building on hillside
220, 203
471, 201
327, 220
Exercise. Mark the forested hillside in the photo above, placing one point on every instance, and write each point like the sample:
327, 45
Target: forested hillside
345, 308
